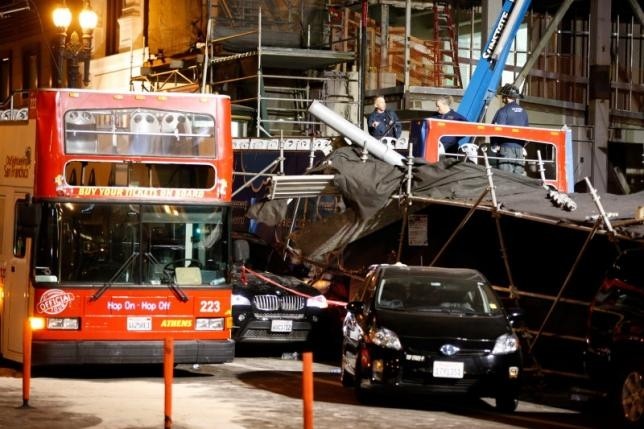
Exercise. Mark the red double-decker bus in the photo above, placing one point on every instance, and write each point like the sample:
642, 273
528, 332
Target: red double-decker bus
116, 227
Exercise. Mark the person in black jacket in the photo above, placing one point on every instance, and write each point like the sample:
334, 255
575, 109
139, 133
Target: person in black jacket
510, 114
445, 111
382, 122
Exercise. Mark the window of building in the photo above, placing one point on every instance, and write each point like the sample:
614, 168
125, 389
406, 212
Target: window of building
30, 67
112, 14
5, 76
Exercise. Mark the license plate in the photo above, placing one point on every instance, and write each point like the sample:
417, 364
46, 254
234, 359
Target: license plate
443, 369
139, 323
281, 325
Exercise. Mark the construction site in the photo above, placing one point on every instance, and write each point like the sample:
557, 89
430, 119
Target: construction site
330, 200
276, 59
273, 59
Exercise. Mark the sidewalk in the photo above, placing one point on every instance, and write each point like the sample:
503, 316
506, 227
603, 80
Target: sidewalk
115, 404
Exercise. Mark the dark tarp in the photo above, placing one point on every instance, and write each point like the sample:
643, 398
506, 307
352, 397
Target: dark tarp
533, 247
367, 186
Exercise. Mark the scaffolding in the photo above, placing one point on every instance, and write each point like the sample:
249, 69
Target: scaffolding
275, 61
278, 82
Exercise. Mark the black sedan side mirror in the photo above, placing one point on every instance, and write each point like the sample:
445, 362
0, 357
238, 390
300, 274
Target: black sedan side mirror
355, 307
515, 315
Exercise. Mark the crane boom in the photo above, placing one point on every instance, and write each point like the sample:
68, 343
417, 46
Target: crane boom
487, 76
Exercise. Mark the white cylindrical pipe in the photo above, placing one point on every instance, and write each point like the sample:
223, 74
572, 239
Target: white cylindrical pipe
355, 134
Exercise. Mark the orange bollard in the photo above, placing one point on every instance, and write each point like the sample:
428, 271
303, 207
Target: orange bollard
307, 388
168, 373
26, 363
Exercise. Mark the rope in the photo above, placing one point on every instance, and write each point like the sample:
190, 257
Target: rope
293, 291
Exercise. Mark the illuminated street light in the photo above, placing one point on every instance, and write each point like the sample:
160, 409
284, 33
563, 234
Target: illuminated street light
75, 49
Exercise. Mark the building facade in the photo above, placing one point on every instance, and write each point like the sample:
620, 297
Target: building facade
579, 64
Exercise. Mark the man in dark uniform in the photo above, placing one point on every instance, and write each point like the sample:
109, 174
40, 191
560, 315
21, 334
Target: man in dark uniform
445, 111
383, 122
510, 114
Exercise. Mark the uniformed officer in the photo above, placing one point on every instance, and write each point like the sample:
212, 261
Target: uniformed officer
383, 122
510, 114
445, 111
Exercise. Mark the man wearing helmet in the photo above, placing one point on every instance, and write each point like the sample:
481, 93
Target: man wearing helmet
510, 114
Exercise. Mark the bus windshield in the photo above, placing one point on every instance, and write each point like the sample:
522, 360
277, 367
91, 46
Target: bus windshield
88, 243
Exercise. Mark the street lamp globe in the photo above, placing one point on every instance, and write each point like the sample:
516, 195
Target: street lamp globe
62, 17
74, 50
88, 19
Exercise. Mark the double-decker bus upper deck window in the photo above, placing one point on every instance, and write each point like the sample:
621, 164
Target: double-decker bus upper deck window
144, 132
121, 244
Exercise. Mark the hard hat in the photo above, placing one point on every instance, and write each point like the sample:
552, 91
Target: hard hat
510, 91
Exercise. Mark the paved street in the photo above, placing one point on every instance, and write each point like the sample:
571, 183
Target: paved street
251, 392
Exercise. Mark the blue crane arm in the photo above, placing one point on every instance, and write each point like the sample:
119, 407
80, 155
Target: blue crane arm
487, 76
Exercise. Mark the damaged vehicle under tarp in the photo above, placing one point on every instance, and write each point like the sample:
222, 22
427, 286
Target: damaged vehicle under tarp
270, 306
543, 248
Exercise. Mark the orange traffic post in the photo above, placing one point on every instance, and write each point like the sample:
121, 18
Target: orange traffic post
307, 388
168, 372
26, 363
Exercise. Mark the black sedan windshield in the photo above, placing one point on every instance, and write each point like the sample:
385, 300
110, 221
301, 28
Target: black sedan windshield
438, 294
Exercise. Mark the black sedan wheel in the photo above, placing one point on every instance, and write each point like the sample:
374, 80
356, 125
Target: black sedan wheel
346, 379
363, 395
506, 403
630, 397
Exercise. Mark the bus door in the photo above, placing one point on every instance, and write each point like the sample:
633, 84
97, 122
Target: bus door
17, 290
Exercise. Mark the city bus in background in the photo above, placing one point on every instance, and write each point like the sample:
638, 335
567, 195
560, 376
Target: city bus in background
116, 227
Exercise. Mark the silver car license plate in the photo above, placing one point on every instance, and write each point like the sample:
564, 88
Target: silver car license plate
281, 325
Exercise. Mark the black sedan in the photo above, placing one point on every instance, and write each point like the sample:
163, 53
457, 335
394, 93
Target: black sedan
430, 330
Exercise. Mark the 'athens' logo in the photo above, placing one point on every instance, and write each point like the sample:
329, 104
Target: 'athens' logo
54, 301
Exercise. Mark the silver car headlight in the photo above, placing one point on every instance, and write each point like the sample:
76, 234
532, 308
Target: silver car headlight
317, 301
505, 344
240, 300
386, 338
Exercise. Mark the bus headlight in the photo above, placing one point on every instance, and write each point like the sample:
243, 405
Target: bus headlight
208, 324
64, 323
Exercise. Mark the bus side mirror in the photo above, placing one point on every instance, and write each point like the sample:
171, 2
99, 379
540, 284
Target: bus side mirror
28, 215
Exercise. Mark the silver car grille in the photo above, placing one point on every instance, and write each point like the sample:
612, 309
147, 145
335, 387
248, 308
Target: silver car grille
274, 302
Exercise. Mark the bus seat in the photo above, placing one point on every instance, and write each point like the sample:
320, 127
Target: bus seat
143, 123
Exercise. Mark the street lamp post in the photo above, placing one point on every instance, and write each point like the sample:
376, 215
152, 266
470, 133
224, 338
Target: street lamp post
76, 49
